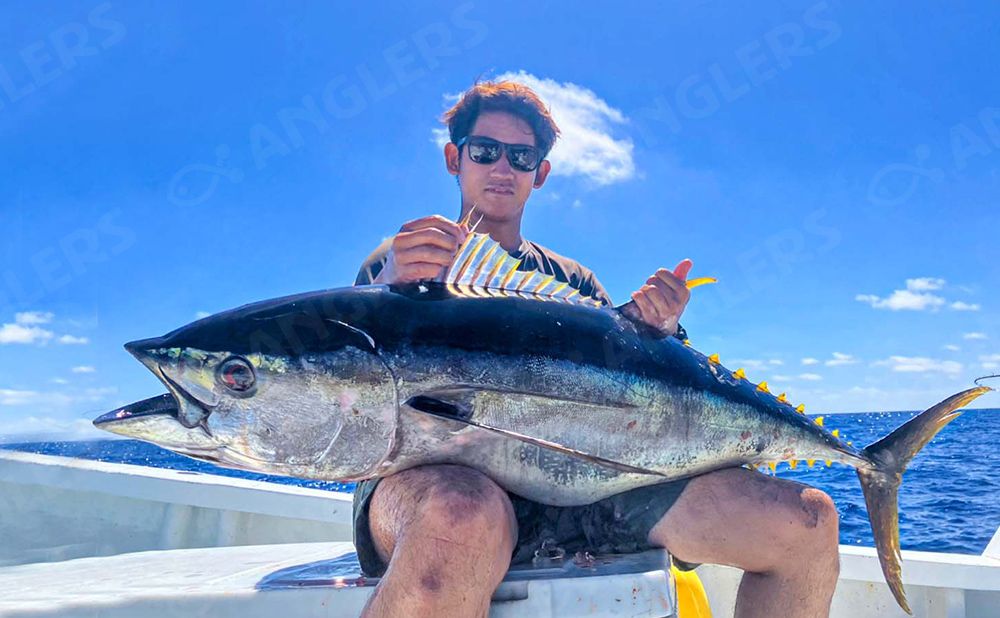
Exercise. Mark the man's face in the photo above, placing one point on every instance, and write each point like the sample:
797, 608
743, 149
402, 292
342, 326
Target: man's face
498, 190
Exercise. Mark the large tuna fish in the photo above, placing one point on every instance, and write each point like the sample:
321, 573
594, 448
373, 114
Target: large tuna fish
559, 401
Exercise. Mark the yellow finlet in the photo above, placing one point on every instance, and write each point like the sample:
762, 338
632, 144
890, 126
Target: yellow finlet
819, 421
810, 462
835, 433
714, 359
687, 342
828, 463
740, 374
793, 463
773, 465
693, 283
762, 387
801, 409
782, 398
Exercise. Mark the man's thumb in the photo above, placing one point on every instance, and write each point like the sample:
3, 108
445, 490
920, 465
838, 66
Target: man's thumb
682, 270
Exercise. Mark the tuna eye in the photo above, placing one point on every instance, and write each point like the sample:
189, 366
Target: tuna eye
236, 374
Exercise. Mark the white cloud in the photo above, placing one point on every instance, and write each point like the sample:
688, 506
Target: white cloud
960, 306
577, 203
901, 300
920, 364
810, 361
780, 378
810, 377
71, 340
924, 284
974, 336
31, 318
45, 428
59, 381
19, 333
752, 364
990, 361
755, 364
54, 399
951, 347
11, 397
83, 369
840, 359
586, 145
916, 296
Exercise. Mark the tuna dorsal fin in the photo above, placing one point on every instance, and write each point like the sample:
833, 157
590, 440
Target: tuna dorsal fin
483, 269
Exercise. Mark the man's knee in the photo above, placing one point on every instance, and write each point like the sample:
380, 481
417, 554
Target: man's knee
467, 505
820, 524
444, 505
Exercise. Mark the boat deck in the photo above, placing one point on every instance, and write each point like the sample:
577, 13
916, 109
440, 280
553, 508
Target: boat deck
86, 538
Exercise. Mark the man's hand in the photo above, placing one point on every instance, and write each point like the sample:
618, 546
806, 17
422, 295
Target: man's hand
422, 250
660, 303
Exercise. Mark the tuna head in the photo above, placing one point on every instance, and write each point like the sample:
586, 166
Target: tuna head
286, 393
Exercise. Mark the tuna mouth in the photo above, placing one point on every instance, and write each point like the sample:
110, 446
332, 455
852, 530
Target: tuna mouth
157, 420
161, 404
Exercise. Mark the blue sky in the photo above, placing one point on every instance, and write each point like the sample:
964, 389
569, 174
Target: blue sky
834, 165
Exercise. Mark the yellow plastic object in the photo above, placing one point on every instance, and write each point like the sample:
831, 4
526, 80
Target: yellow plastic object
693, 283
692, 602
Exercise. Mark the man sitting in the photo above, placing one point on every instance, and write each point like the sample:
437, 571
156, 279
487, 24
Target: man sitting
443, 536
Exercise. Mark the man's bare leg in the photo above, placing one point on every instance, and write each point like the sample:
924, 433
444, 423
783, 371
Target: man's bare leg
447, 533
782, 534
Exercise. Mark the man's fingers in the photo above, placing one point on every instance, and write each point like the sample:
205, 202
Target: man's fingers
436, 221
646, 306
673, 288
425, 236
425, 254
418, 271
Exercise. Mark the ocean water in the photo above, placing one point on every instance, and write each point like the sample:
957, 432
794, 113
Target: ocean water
950, 499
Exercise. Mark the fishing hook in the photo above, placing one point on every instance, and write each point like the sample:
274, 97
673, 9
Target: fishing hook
976, 381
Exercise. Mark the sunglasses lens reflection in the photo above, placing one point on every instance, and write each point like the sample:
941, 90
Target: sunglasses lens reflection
523, 158
484, 153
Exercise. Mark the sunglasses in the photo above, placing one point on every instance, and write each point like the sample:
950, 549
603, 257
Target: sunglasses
486, 151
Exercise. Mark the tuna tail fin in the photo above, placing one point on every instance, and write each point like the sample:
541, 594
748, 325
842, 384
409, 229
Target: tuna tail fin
880, 483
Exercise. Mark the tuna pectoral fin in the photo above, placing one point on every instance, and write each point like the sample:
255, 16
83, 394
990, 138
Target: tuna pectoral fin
880, 484
452, 410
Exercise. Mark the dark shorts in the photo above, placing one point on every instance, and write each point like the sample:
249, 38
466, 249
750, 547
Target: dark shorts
616, 525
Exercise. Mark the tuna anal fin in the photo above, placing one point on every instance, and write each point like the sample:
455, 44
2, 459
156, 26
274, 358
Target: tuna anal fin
455, 411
